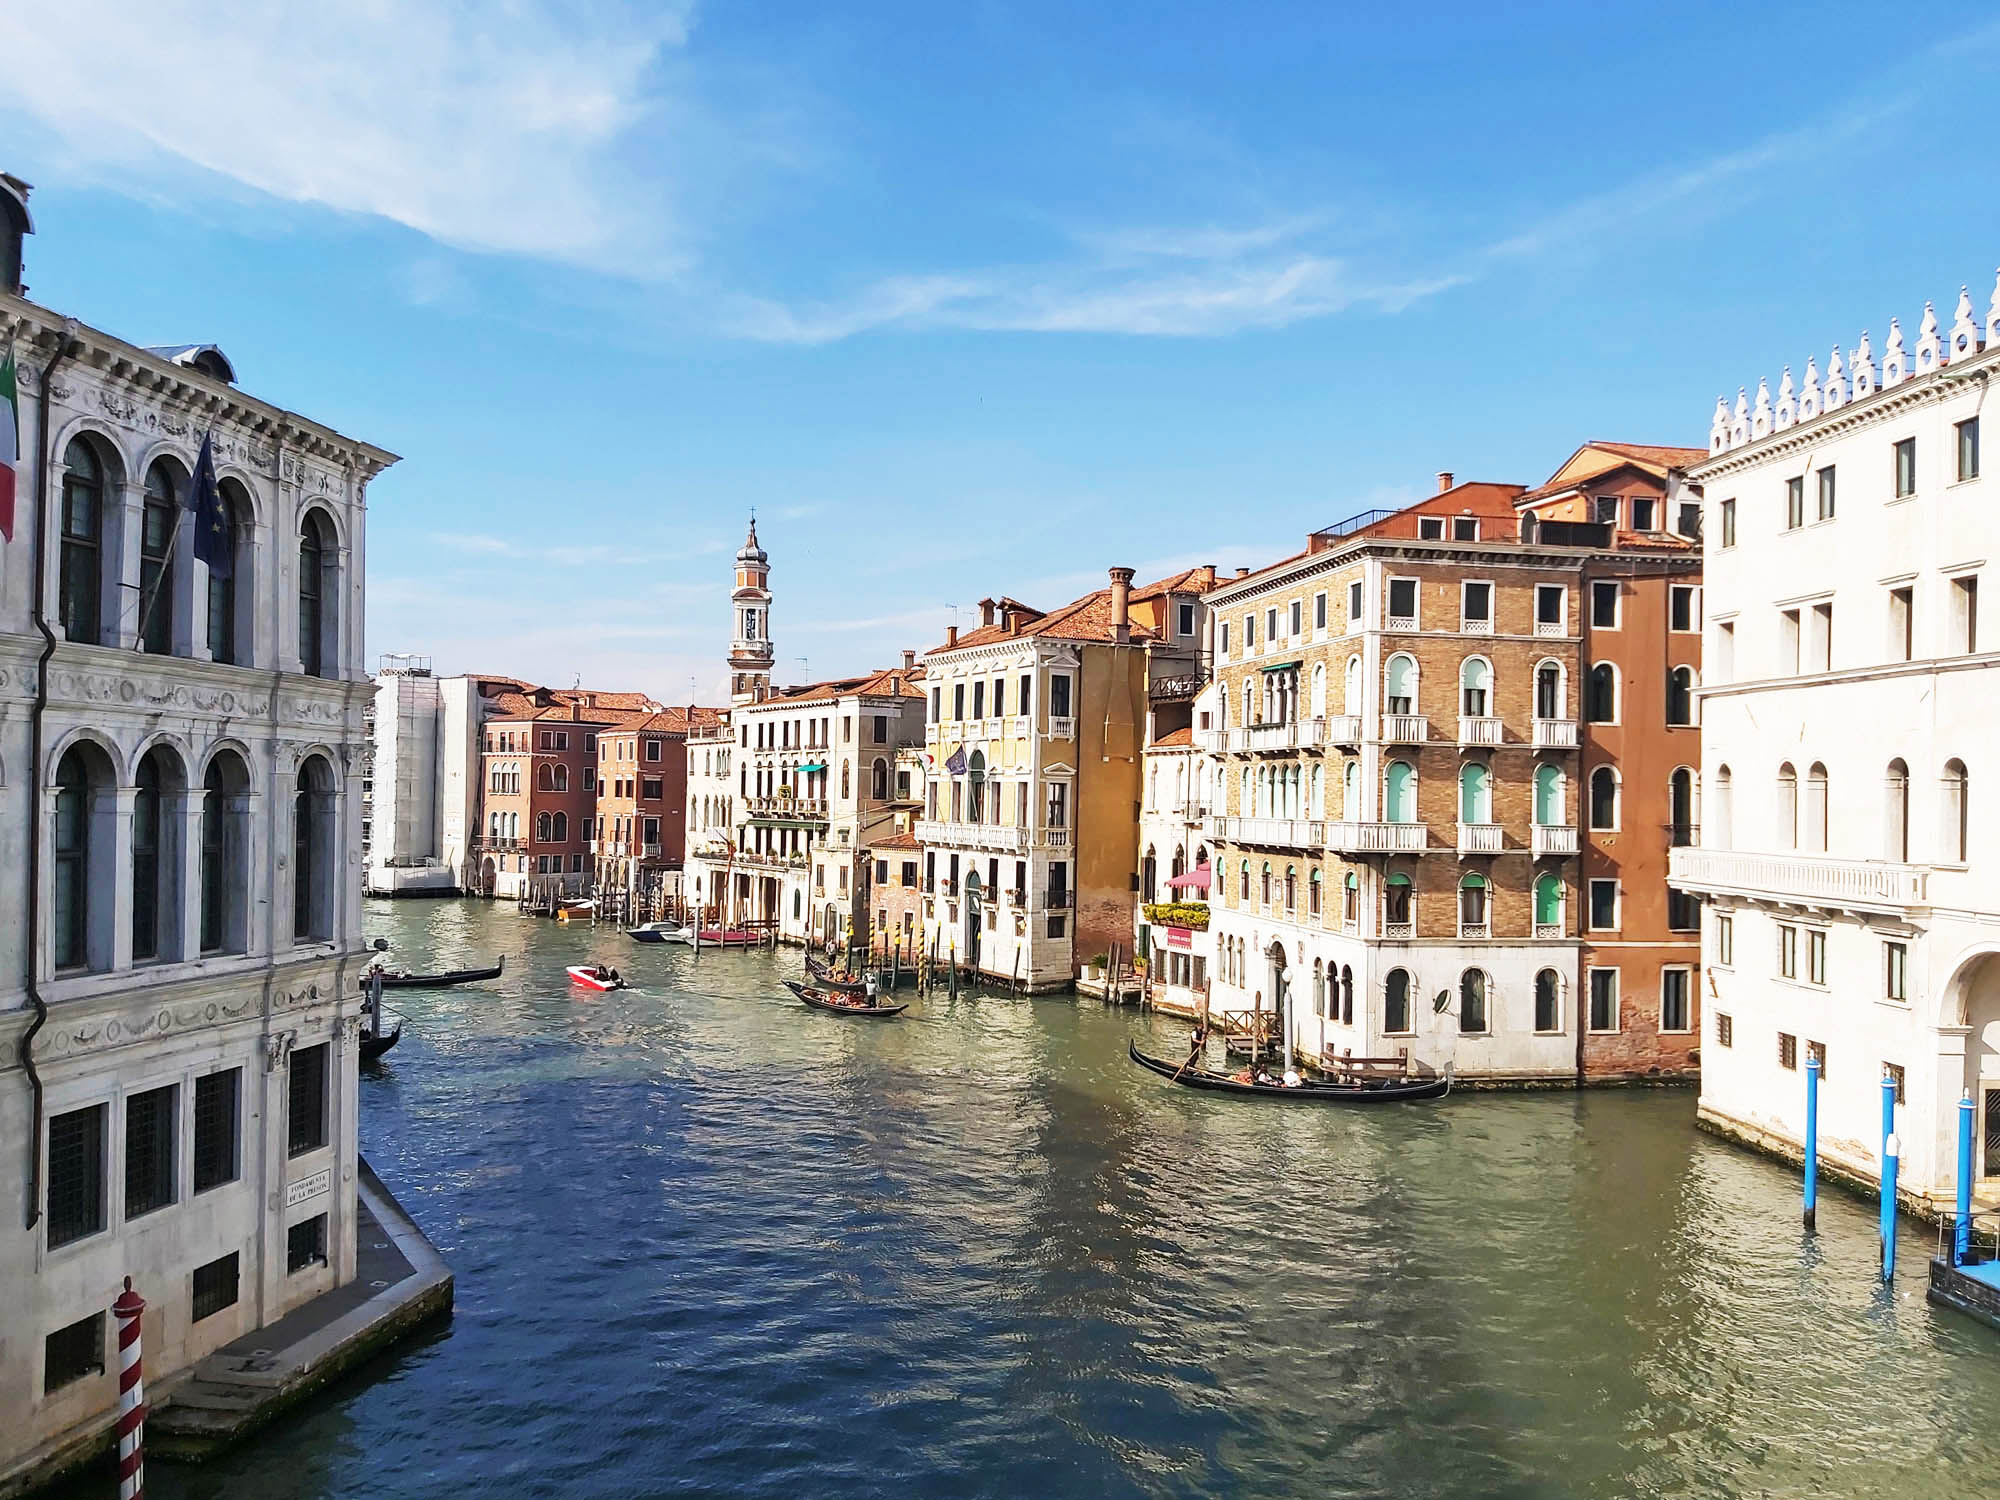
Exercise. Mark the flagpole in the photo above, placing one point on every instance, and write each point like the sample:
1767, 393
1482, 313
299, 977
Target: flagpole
173, 536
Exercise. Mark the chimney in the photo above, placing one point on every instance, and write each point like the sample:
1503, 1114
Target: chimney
950, 636
909, 661
1242, 572
1445, 480
985, 611
1121, 605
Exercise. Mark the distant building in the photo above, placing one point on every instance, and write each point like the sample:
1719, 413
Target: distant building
639, 833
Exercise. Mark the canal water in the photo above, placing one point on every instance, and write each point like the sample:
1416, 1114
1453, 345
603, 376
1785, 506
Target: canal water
709, 1243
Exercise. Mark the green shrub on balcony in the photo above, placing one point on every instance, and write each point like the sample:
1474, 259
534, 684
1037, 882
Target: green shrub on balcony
1192, 914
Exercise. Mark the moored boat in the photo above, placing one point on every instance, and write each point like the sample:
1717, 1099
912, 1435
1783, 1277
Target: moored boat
1383, 1091
660, 932
373, 1047
728, 937
400, 979
835, 979
839, 1005
596, 976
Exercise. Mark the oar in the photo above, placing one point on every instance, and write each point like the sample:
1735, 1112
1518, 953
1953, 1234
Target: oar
1193, 1053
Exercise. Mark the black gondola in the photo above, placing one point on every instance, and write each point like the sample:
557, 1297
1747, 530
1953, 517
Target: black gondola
373, 1047
819, 1000
1384, 1092
830, 979
404, 981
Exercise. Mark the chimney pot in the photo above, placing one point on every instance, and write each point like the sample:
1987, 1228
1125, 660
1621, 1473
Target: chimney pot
909, 661
1242, 572
985, 611
1121, 604
1445, 480
950, 636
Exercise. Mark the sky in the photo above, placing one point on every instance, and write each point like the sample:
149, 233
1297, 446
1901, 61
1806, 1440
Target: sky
972, 299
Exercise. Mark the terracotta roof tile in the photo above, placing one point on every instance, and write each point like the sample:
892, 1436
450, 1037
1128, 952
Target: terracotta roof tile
1085, 619
900, 840
1173, 739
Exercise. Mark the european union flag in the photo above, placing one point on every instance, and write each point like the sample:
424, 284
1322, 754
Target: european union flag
213, 543
956, 765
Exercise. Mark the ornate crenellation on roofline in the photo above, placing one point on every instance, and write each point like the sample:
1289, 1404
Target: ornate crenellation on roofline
1850, 379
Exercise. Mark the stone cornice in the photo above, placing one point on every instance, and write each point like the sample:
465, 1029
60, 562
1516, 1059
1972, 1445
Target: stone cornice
1538, 556
1877, 672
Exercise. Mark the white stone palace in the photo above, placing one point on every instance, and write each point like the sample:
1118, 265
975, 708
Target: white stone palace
180, 945
1847, 858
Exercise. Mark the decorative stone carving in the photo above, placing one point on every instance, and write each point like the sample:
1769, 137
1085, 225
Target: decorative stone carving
1930, 345
278, 1049
1739, 421
1834, 395
1993, 314
1788, 401
1718, 427
1896, 359
1864, 367
1809, 392
1964, 332
1760, 416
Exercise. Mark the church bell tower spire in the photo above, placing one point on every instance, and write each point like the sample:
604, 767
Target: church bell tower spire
750, 652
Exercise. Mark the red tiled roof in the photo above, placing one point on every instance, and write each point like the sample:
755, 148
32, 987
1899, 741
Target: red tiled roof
1085, 619
888, 682
1172, 739
1191, 581
899, 840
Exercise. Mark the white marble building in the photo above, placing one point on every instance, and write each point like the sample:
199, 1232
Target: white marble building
1847, 864
180, 769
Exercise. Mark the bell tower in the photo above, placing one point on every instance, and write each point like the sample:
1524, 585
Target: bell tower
750, 652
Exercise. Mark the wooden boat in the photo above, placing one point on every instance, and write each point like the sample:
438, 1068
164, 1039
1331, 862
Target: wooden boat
596, 976
728, 937
401, 980
373, 1047
1385, 1091
569, 911
835, 979
660, 932
823, 1000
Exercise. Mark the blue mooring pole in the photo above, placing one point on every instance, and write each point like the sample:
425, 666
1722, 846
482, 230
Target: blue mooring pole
1812, 1144
1891, 1151
1961, 1238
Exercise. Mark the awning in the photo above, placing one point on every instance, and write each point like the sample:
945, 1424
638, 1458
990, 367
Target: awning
1283, 666
1195, 880
816, 766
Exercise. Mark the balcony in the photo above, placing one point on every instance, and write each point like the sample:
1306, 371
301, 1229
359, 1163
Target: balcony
785, 809
1274, 833
1554, 840
1479, 731
1480, 838
997, 837
1402, 622
1801, 879
1398, 932
1214, 741
1062, 729
1181, 687
649, 851
1475, 929
1475, 627
1549, 930
1293, 734
1055, 838
1378, 838
1343, 729
1555, 734
1551, 627
1405, 729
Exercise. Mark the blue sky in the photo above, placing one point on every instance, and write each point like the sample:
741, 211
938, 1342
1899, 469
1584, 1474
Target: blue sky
970, 299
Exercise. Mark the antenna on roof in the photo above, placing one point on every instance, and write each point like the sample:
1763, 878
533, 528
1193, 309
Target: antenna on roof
805, 668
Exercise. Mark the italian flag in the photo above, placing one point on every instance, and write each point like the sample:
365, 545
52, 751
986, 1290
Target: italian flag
10, 443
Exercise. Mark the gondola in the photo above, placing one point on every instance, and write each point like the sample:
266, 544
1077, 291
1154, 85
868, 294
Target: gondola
1385, 1092
373, 1047
820, 1000
831, 978
400, 980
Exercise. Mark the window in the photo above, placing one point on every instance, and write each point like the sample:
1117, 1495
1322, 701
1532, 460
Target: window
1548, 897
1396, 1001
1603, 999
1549, 600
152, 1123
1894, 1073
1791, 651
1902, 623
1965, 612
1688, 520
1604, 510
1896, 972
937, 696
148, 824
979, 699
1680, 697
1059, 704
1953, 841
1788, 951
1297, 618
1642, 512
1816, 1053
1725, 941
1729, 523
1604, 605
1472, 1001
1465, 528
958, 700
1788, 1050
312, 852
1319, 611
305, 1244
76, 1174
1396, 901
73, 1353
1403, 601
1682, 613
1604, 904
1812, 832
1477, 608
1472, 906
1222, 639
1058, 805
1430, 528
1815, 956
1968, 448
1184, 619
318, 601
1475, 687
653, 746
1674, 1005
1271, 625
1401, 684
1906, 467
1826, 493
215, 1286
215, 1128
1604, 799
1820, 642
1549, 697
1795, 502
307, 1100
1725, 1030
1600, 704
1548, 1001
82, 566
1354, 602
156, 564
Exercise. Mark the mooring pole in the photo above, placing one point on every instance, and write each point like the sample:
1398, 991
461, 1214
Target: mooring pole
128, 1309
1892, 1149
1812, 1144
1961, 1235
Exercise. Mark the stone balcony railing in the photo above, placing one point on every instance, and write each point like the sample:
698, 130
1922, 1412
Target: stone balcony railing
804, 809
1273, 833
1555, 734
998, 837
1479, 730
1378, 838
1554, 839
1405, 729
1062, 728
1479, 838
1801, 879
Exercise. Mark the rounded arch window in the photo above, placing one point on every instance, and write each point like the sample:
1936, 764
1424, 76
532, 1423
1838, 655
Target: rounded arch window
1398, 900
1549, 691
1548, 901
1548, 1000
319, 595
1472, 902
1396, 1001
1788, 802
1604, 798
231, 505
1680, 697
1954, 812
1548, 796
1475, 793
313, 851
1472, 996
1475, 679
1401, 680
1400, 785
158, 533
1601, 697
81, 566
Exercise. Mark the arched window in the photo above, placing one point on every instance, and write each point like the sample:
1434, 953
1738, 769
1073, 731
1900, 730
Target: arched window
1722, 812
1264, 888
542, 827
85, 836
1400, 786
1402, 683
81, 574
1319, 690
1787, 809
1680, 696
1350, 792
157, 828
878, 780
1350, 899
1549, 702
1680, 808
1346, 995
1180, 861
1604, 798
1319, 989
975, 777
562, 778
1548, 904
1601, 696
1475, 683
559, 827
1475, 793
1472, 1001
1396, 1001
1313, 907
225, 864
1351, 688
1895, 811
1399, 902
1472, 905
1548, 1001
1291, 889
1243, 802
1249, 702
1243, 886
156, 562
847, 790
1318, 807
1954, 840
313, 849
1814, 834
1549, 797
319, 596
225, 577
1149, 874
545, 778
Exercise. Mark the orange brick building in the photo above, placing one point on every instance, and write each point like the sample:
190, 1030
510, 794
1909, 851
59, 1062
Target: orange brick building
639, 830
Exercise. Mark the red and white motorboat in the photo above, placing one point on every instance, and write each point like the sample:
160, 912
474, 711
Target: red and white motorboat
596, 976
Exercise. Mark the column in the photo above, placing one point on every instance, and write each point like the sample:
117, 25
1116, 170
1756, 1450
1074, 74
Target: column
120, 540
181, 813
111, 884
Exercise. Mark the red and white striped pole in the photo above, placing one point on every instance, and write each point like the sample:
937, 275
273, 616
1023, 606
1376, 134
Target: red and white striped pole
131, 1396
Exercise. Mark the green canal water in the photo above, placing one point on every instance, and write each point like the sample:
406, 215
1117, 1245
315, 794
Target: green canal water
709, 1243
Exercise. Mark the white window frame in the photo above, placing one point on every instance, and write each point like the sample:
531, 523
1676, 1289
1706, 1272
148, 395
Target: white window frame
1417, 585
1436, 521
1562, 612
1693, 592
1320, 615
1617, 999
1725, 941
1469, 626
1357, 606
1687, 973
1590, 903
1617, 604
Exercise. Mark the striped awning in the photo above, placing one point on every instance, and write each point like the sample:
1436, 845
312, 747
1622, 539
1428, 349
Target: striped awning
1283, 666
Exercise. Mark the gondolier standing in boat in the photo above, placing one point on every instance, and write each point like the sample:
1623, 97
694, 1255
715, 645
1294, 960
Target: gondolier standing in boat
868, 986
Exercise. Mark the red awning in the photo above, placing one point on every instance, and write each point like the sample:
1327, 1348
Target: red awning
1195, 880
